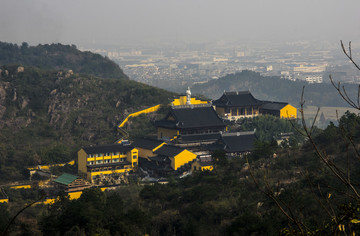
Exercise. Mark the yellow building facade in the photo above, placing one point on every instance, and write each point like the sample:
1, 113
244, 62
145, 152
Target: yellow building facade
21, 186
288, 112
242, 104
168, 159
182, 158
103, 160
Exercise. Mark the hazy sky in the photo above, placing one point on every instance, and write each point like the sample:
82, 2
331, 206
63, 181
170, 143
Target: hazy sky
82, 22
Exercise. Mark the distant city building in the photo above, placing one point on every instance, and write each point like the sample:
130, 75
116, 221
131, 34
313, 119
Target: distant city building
311, 68
314, 79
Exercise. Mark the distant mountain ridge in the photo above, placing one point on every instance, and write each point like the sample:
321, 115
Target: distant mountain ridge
60, 57
275, 89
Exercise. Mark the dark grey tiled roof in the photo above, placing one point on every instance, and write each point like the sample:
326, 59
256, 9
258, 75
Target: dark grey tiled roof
107, 148
159, 158
147, 143
273, 105
238, 143
166, 124
237, 99
169, 151
196, 117
200, 137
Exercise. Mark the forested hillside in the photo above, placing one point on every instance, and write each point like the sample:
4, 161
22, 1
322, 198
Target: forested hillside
61, 57
273, 89
237, 198
46, 115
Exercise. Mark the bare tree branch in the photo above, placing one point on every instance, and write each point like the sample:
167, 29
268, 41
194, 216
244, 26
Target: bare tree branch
349, 54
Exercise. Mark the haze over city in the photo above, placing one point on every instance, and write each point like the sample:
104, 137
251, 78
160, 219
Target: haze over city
86, 23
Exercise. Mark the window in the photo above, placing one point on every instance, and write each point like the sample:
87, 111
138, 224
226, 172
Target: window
135, 157
122, 159
99, 162
115, 153
98, 155
107, 154
91, 155
115, 160
107, 161
90, 162
234, 111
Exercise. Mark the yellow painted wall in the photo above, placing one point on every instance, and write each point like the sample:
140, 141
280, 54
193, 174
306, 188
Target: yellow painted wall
147, 110
181, 159
71, 163
146, 153
130, 157
199, 167
21, 186
103, 188
47, 167
197, 101
182, 101
179, 101
166, 133
74, 195
107, 172
288, 112
6, 200
209, 168
49, 201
